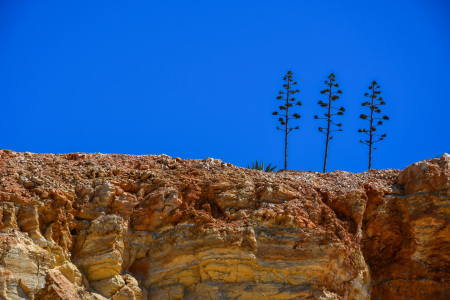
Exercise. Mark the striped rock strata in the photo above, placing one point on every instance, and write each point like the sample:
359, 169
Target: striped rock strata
94, 226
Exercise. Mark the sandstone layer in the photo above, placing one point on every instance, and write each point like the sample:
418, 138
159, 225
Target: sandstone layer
95, 226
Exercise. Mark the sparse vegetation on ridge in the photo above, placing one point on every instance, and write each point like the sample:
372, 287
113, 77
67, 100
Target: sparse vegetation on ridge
256, 166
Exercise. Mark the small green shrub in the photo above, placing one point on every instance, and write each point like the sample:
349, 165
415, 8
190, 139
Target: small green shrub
257, 166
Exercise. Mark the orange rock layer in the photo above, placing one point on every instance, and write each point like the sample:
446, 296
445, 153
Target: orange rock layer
95, 226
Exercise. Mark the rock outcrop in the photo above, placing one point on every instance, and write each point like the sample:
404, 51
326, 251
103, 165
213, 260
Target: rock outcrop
95, 226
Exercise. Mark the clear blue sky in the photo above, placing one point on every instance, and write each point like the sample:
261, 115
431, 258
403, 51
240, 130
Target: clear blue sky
199, 79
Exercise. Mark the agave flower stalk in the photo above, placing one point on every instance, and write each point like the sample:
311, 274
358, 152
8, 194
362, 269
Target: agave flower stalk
374, 119
331, 111
287, 96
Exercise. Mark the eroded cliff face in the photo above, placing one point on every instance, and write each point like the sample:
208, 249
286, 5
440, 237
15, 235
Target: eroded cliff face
94, 226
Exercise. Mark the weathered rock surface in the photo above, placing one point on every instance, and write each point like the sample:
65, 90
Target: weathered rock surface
94, 226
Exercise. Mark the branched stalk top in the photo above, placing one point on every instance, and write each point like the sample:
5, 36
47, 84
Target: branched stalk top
287, 96
331, 110
374, 118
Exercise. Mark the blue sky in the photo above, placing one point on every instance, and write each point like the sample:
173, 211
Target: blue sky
199, 79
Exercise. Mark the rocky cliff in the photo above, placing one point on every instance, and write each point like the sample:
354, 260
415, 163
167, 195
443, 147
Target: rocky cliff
95, 226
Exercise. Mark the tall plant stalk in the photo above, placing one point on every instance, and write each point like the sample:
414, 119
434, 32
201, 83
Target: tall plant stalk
288, 99
330, 112
374, 119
